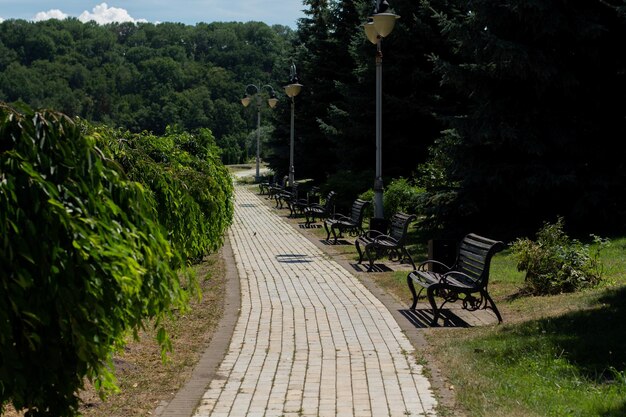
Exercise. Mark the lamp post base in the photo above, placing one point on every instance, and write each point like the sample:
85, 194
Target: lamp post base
379, 224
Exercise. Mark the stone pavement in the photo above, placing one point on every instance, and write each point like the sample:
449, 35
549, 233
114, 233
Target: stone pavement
310, 340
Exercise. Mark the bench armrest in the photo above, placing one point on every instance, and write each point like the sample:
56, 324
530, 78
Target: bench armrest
339, 216
463, 277
371, 234
387, 238
421, 266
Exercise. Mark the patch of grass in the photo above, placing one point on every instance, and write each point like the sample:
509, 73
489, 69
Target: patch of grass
560, 355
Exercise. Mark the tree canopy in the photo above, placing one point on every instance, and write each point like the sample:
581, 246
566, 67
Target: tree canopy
500, 111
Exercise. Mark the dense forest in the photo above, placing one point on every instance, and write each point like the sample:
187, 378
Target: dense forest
506, 115
142, 77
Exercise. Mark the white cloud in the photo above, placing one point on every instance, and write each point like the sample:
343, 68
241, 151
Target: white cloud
103, 14
50, 14
1, 19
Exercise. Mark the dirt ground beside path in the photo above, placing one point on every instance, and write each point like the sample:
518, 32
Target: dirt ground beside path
144, 380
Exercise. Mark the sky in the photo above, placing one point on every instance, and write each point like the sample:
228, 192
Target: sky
190, 12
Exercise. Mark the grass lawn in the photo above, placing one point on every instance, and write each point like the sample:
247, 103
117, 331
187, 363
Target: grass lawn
562, 355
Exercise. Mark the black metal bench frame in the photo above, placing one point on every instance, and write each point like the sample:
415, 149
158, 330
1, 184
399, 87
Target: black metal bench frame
264, 186
468, 276
376, 244
320, 211
274, 190
341, 223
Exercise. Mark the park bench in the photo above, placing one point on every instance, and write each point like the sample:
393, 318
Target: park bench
284, 196
264, 186
317, 210
352, 224
468, 276
276, 188
293, 201
375, 244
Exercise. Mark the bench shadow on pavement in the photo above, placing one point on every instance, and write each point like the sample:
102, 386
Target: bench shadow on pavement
337, 243
376, 268
293, 258
422, 317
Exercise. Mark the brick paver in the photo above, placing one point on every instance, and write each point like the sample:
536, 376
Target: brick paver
311, 340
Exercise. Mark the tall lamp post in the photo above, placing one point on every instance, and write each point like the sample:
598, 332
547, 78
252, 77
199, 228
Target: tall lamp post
292, 90
251, 91
378, 26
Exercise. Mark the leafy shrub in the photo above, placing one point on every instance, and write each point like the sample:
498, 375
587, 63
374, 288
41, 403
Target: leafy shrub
190, 185
401, 196
83, 261
554, 263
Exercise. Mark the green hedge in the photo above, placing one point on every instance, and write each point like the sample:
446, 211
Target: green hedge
192, 188
87, 252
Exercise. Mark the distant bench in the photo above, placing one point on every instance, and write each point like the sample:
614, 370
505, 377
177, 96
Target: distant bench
374, 244
339, 223
469, 275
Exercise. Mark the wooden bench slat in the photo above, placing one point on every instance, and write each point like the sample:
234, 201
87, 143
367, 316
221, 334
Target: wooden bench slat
468, 275
373, 244
340, 223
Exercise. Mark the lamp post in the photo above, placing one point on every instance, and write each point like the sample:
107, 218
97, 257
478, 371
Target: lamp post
378, 26
292, 90
251, 91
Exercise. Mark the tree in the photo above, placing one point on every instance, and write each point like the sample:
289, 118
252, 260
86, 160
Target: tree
410, 93
83, 262
536, 139
140, 76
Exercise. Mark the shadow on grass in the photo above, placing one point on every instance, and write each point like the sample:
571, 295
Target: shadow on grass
591, 341
309, 226
595, 339
339, 242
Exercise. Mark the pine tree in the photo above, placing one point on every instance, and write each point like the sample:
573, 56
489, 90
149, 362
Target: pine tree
537, 138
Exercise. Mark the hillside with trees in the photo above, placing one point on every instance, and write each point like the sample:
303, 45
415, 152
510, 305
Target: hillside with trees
142, 77
504, 114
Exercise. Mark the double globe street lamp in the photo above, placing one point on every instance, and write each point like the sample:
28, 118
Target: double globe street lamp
250, 92
292, 90
378, 26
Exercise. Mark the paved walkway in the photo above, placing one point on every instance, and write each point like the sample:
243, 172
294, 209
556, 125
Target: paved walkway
311, 340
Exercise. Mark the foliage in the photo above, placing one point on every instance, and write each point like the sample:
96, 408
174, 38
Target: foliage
534, 127
482, 102
347, 119
401, 196
140, 77
554, 263
83, 262
348, 185
191, 188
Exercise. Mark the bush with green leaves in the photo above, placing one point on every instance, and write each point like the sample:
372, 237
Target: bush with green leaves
83, 262
555, 263
399, 196
190, 185
402, 196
